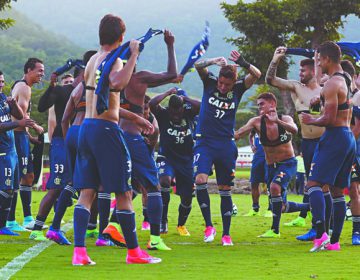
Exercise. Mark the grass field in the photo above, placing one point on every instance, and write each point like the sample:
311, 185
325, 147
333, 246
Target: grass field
191, 258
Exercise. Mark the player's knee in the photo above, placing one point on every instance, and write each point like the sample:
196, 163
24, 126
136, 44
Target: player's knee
336, 192
224, 188
186, 201
275, 190
152, 188
354, 191
165, 183
28, 179
201, 179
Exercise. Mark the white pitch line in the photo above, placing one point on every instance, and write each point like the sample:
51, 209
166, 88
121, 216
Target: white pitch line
19, 262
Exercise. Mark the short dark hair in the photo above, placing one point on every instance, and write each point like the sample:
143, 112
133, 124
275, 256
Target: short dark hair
110, 29
307, 62
31, 63
175, 102
228, 71
267, 96
348, 67
67, 76
331, 50
88, 55
1, 73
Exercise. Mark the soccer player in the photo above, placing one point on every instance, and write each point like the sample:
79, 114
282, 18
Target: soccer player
21, 91
301, 93
334, 155
215, 135
275, 135
103, 159
176, 151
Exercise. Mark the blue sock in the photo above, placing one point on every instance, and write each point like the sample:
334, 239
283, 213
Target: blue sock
81, 220
25, 194
144, 211
296, 207
11, 216
226, 210
62, 205
104, 201
203, 199
93, 215
339, 205
126, 220
317, 206
165, 194
328, 210
303, 213
276, 202
356, 224
184, 210
154, 208
5, 203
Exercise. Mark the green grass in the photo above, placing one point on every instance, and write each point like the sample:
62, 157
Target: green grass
191, 258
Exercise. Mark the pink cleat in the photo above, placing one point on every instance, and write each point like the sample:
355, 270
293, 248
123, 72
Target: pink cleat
226, 240
332, 247
113, 204
145, 225
209, 234
138, 256
319, 244
101, 242
80, 257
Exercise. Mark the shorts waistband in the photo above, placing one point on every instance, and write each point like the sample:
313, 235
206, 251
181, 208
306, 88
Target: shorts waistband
311, 139
276, 164
101, 122
334, 128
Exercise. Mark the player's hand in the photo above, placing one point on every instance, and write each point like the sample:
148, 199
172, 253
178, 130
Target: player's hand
314, 101
169, 38
279, 53
236, 135
53, 79
272, 116
39, 129
178, 79
172, 91
147, 141
306, 118
145, 126
253, 148
26, 122
220, 61
34, 140
11, 101
134, 47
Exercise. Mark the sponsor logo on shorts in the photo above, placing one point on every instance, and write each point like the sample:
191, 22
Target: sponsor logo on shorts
57, 181
8, 182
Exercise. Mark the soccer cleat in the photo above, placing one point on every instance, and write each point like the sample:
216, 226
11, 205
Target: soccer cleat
57, 236
270, 234
102, 242
209, 234
145, 225
140, 257
163, 228
92, 233
356, 238
182, 230
7, 231
298, 222
14, 226
226, 240
320, 243
332, 247
29, 222
156, 243
252, 213
80, 257
37, 235
112, 233
309, 236
268, 214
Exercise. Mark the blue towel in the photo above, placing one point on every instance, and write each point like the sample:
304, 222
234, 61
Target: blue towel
70, 63
198, 51
300, 51
104, 69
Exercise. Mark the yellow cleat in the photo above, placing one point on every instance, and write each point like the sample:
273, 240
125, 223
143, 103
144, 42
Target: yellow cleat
183, 231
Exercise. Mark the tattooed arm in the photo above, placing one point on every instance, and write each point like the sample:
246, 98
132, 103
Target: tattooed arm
201, 66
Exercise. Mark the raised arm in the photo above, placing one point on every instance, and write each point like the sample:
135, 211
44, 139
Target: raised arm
49, 97
271, 77
201, 65
154, 102
246, 129
195, 104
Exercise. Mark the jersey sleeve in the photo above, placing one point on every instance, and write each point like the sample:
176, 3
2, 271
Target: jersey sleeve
239, 87
209, 81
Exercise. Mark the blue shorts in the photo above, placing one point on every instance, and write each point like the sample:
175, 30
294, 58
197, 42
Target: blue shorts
59, 170
102, 158
308, 147
9, 177
143, 164
22, 144
334, 157
281, 173
71, 146
258, 172
180, 170
221, 153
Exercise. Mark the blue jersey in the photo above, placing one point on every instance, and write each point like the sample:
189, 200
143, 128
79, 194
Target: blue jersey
217, 113
176, 140
7, 142
259, 148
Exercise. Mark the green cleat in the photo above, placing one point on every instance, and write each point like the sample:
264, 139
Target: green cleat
37, 235
268, 214
270, 234
156, 243
298, 222
252, 213
92, 233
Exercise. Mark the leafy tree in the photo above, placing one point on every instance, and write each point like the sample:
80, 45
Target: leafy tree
5, 23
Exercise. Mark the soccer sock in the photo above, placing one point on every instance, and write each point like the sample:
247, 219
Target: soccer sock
356, 224
25, 194
339, 205
303, 213
81, 220
291, 207
256, 207
269, 203
165, 194
5, 203
226, 210
276, 202
39, 222
317, 206
154, 208
184, 210
104, 201
328, 210
126, 219
63, 202
144, 211
203, 199
55, 204
93, 215
11, 216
